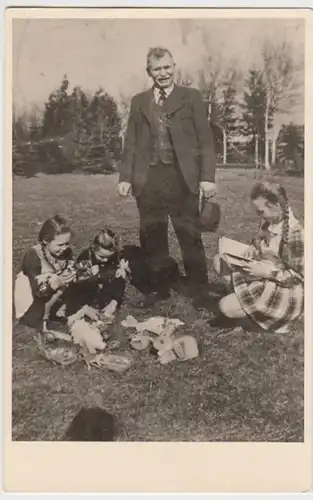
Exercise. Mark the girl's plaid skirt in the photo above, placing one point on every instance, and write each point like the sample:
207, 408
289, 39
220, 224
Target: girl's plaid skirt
267, 303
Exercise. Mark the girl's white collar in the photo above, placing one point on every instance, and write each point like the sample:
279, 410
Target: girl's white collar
277, 228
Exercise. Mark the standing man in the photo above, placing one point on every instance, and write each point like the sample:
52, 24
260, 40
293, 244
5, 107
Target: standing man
168, 159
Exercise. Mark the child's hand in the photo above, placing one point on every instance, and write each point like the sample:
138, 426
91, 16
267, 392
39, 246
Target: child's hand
94, 270
68, 276
110, 309
123, 270
270, 256
259, 269
251, 252
55, 282
43, 278
91, 313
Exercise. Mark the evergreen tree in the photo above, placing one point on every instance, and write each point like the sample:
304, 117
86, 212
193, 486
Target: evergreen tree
290, 147
253, 114
102, 126
57, 111
20, 128
226, 107
77, 108
87, 127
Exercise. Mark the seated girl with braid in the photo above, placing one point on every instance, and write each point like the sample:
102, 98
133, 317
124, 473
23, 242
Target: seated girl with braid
268, 290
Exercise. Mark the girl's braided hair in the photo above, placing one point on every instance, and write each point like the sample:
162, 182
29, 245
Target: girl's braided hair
50, 229
53, 227
107, 239
274, 193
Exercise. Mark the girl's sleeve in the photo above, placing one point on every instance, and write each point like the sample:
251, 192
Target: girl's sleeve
118, 290
31, 267
294, 272
116, 286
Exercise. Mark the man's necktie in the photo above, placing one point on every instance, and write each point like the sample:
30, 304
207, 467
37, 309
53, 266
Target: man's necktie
162, 97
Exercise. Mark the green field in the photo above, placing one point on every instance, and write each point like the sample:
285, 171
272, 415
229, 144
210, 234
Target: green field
244, 386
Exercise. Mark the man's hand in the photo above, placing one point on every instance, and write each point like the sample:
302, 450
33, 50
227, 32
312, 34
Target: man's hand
208, 189
123, 188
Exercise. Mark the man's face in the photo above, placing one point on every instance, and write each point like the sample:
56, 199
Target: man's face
162, 71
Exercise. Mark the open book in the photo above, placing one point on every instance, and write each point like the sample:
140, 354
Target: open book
233, 252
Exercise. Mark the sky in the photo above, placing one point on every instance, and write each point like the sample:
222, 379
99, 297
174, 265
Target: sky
112, 52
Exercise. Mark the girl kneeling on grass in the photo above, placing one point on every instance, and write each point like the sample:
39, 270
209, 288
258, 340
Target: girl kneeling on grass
270, 289
47, 270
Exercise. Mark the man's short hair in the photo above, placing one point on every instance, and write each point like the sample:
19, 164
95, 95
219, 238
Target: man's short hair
157, 53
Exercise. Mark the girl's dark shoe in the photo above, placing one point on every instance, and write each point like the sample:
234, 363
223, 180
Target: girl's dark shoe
218, 290
222, 322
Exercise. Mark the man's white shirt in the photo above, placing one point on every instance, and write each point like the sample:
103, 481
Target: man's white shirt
167, 91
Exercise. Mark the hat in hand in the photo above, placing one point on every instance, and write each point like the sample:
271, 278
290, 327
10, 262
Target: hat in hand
209, 217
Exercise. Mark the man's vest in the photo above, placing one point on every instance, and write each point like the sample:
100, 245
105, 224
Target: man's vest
161, 147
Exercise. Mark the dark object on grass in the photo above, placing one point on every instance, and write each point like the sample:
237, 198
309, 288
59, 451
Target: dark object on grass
153, 351
91, 424
150, 276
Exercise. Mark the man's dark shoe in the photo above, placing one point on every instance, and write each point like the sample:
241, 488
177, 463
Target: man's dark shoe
191, 289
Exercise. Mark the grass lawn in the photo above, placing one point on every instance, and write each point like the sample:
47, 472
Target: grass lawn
243, 387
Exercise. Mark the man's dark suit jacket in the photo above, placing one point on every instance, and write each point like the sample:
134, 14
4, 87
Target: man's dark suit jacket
191, 135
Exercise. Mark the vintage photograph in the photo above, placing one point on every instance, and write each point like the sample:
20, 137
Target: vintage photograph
158, 229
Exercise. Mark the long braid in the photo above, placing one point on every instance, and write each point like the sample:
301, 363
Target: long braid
55, 224
285, 231
275, 194
58, 265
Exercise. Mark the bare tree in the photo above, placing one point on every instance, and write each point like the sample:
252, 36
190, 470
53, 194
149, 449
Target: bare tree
184, 78
227, 104
124, 102
280, 83
186, 27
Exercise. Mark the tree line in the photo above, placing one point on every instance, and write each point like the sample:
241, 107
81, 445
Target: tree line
248, 114
75, 131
